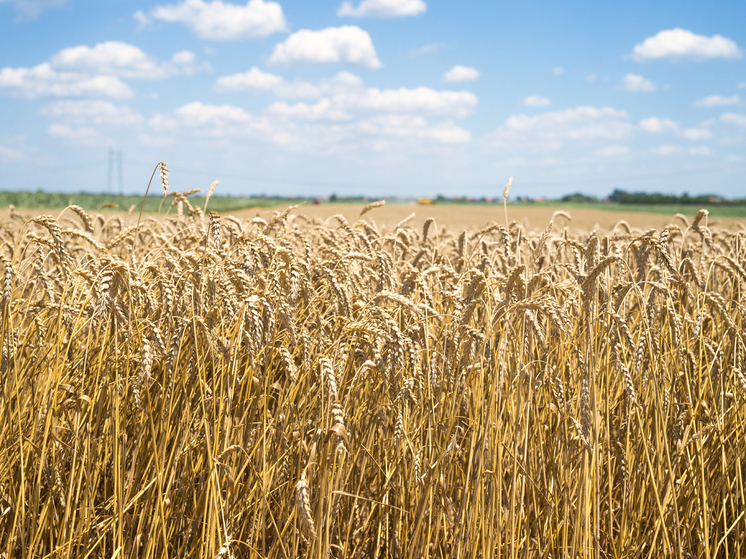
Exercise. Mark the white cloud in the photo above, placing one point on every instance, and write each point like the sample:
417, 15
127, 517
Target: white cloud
742, 85
84, 71
680, 44
666, 150
635, 82
383, 8
9, 155
311, 128
591, 77
198, 114
111, 57
256, 79
700, 150
323, 109
611, 151
82, 135
43, 81
550, 130
342, 115
558, 70
655, 125
537, 101
31, 9
348, 44
420, 99
408, 126
185, 62
92, 112
223, 21
122, 59
215, 121
717, 101
253, 79
346, 92
461, 74
733, 118
695, 134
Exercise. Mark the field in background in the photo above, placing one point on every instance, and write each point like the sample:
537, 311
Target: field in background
473, 217
39, 201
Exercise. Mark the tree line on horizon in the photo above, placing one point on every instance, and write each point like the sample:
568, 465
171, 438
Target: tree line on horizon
623, 197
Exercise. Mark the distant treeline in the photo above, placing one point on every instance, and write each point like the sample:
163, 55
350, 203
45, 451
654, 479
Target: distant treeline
624, 197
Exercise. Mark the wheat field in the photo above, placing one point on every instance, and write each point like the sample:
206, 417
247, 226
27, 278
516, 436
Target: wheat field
193, 385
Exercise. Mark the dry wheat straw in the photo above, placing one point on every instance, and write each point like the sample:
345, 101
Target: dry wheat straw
438, 390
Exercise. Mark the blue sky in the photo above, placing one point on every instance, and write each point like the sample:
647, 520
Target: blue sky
375, 97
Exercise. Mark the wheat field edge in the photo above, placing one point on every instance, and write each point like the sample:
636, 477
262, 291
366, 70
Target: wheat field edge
196, 385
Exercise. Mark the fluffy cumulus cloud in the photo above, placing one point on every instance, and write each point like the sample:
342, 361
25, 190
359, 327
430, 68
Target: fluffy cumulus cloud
323, 109
655, 125
253, 79
44, 81
404, 100
551, 130
123, 60
31, 9
416, 127
461, 74
348, 44
337, 114
84, 71
717, 101
257, 80
346, 92
383, 8
307, 127
537, 101
197, 115
92, 112
635, 82
733, 118
221, 21
680, 44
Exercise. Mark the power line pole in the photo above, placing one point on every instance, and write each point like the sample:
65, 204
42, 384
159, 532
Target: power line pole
121, 177
110, 169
